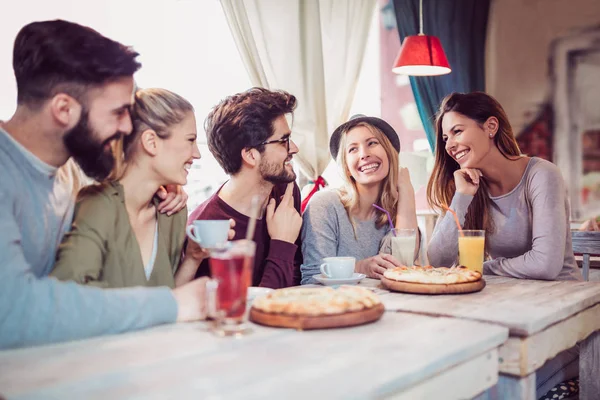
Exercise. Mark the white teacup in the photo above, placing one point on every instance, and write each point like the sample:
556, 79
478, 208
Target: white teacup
338, 267
209, 234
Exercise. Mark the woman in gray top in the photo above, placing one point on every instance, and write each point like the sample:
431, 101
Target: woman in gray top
344, 222
519, 201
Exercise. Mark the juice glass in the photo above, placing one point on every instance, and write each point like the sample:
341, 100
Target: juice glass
403, 246
231, 269
471, 249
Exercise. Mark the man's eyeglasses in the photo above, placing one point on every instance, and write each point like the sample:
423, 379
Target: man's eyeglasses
285, 140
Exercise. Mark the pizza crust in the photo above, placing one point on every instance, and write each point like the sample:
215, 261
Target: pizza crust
432, 276
316, 301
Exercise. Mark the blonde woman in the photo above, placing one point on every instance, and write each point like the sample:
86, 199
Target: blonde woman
118, 237
344, 222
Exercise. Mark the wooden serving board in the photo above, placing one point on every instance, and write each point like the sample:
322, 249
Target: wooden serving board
423, 288
320, 322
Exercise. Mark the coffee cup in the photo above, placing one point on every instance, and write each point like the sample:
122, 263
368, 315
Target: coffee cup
338, 267
209, 234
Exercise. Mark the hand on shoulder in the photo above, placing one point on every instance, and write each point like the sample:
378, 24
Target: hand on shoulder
173, 197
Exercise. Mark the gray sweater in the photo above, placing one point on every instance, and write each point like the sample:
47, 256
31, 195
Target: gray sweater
327, 232
532, 238
36, 209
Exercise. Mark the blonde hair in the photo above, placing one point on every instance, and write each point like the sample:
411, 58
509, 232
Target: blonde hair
388, 192
155, 109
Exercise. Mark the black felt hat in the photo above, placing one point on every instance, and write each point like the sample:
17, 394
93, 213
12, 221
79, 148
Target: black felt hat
334, 141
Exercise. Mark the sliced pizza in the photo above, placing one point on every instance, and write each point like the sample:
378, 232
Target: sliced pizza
316, 301
432, 276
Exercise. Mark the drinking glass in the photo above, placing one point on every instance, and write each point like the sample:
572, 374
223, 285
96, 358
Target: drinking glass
403, 245
471, 249
231, 269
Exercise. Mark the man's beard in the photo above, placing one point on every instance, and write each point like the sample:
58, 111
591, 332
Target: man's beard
276, 173
95, 161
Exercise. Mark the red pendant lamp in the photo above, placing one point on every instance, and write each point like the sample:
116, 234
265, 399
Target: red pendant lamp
421, 55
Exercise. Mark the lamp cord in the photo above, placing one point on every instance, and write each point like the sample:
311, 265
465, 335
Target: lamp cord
420, 17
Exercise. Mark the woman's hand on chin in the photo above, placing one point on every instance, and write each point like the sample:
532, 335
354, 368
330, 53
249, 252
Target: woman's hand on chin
467, 180
375, 266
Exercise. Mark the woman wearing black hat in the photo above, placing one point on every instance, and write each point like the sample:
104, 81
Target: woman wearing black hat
344, 222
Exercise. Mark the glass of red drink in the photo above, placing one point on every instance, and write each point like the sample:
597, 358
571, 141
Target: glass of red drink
231, 269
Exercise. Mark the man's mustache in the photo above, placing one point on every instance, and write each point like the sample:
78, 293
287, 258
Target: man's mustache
115, 137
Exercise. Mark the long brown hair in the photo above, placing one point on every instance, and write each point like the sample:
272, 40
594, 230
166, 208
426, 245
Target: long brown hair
477, 106
388, 192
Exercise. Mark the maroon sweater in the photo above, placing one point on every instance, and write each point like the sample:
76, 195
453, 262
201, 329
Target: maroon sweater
276, 263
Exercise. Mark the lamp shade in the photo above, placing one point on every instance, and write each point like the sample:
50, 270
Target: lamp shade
421, 55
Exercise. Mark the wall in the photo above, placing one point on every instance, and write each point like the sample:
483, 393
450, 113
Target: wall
398, 108
520, 33
185, 46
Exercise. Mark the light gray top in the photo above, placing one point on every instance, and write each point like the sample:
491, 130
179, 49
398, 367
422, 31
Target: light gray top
327, 232
36, 209
532, 238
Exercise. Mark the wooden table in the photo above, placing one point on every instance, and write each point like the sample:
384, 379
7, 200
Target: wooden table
403, 355
586, 243
543, 317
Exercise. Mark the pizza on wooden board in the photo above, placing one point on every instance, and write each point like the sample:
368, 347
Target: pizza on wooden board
316, 301
432, 276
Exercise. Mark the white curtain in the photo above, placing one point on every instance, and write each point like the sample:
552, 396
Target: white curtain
310, 48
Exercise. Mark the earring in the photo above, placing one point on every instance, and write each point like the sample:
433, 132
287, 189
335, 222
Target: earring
491, 135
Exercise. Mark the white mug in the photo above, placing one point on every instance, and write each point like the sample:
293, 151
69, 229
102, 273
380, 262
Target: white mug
209, 234
338, 267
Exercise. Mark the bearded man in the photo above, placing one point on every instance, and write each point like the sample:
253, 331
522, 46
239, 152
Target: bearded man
74, 93
249, 136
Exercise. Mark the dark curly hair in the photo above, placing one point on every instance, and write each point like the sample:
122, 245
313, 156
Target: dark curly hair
244, 120
50, 57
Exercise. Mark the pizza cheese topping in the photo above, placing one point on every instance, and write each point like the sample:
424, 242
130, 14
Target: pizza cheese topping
316, 301
431, 275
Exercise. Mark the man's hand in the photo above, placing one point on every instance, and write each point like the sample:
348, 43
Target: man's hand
191, 300
285, 222
375, 266
173, 198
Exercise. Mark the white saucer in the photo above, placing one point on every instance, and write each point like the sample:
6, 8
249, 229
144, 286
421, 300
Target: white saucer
356, 277
254, 292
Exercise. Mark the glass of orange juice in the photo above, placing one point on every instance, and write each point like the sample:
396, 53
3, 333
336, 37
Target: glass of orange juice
471, 249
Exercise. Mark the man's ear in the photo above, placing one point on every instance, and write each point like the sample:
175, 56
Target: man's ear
250, 156
491, 126
65, 110
149, 142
